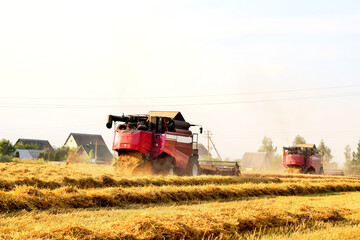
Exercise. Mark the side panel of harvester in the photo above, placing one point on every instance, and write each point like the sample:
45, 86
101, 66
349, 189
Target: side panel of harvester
315, 162
178, 146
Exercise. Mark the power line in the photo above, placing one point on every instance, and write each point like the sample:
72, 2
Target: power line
32, 105
186, 96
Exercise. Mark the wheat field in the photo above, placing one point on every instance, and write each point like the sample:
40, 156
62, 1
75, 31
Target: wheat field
79, 201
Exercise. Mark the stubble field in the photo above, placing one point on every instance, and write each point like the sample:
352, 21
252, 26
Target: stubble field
55, 201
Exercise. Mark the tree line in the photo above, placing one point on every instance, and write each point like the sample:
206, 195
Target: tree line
352, 160
8, 151
268, 146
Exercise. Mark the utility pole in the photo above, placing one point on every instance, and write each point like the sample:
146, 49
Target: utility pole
215, 149
208, 134
95, 151
208, 145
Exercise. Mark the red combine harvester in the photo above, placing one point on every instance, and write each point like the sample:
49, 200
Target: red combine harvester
303, 158
161, 139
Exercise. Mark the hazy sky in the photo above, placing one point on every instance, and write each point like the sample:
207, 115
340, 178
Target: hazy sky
242, 69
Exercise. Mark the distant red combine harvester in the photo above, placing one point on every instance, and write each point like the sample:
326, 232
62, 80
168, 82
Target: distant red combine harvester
303, 158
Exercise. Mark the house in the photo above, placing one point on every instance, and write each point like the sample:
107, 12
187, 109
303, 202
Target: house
202, 151
259, 161
91, 145
31, 154
42, 144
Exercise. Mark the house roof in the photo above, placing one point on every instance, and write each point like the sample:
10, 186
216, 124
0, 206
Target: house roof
202, 149
254, 159
84, 139
41, 143
173, 115
102, 152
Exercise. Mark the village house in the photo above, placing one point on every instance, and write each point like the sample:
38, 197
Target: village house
31, 154
202, 151
90, 145
257, 161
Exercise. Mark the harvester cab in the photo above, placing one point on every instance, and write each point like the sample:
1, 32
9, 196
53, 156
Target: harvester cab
156, 143
302, 158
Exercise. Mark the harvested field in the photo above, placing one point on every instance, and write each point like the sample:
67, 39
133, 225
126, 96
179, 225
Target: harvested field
93, 202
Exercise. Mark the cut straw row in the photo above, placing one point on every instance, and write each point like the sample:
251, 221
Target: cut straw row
230, 222
106, 181
31, 198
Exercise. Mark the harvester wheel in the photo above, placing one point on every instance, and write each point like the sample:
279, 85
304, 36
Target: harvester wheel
169, 169
310, 171
193, 167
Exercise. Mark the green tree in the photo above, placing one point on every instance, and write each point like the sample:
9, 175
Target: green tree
357, 155
347, 154
352, 160
354, 157
267, 146
299, 140
348, 160
56, 156
21, 145
5, 158
325, 152
91, 154
6, 148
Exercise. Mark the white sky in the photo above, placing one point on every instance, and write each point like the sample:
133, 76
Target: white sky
66, 65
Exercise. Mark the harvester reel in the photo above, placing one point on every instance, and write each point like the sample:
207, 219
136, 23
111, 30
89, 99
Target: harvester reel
294, 169
132, 163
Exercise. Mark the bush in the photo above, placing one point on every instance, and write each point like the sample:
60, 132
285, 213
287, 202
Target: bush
34, 161
77, 158
6, 147
61, 153
5, 158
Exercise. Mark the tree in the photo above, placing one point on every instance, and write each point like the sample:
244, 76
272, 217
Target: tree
21, 145
325, 152
357, 155
91, 154
267, 146
347, 154
6, 148
299, 140
352, 160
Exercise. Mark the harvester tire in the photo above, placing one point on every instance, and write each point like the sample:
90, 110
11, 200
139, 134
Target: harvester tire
310, 171
169, 169
193, 168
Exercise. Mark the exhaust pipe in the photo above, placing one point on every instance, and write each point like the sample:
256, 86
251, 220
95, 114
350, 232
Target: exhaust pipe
109, 121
